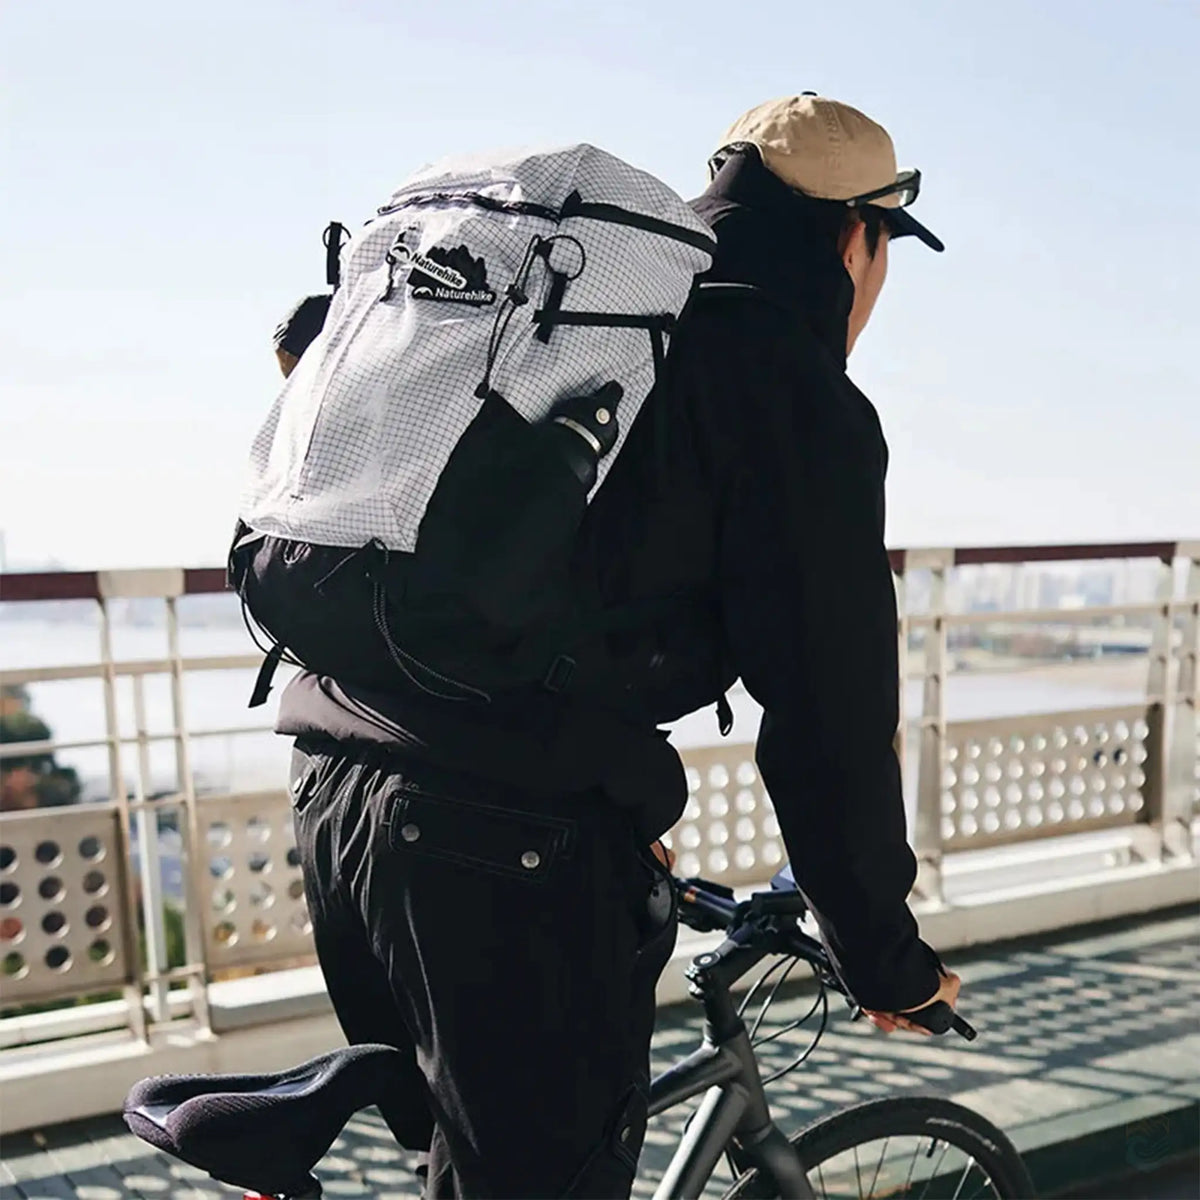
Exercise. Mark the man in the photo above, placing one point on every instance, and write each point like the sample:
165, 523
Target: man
480, 884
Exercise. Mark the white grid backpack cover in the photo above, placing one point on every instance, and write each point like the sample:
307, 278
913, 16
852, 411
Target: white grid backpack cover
424, 322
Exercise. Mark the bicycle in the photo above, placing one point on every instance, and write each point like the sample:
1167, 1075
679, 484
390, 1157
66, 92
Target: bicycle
268, 1132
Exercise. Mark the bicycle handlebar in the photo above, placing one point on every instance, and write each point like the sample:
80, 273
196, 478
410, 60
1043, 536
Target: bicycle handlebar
708, 907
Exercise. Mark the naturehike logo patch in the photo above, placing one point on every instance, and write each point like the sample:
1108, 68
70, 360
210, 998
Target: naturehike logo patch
454, 275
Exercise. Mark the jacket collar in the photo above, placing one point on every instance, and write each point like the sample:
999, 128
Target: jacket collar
781, 241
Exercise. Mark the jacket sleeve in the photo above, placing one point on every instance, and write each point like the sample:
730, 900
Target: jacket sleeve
809, 610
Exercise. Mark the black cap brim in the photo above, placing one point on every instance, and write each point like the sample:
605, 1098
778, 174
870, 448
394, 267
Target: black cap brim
901, 223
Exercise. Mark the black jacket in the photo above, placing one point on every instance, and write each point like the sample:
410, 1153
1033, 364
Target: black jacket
752, 486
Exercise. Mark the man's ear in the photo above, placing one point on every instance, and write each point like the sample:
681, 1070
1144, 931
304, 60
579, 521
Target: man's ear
852, 247
287, 362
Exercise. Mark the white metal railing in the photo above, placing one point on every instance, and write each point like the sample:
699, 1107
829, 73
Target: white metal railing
82, 888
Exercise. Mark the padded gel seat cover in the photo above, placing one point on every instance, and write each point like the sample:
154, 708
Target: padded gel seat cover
261, 1132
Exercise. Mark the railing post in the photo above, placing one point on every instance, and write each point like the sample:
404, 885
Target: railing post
927, 826
1160, 680
902, 634
134, 993
1181, 786
150, 861
192, 850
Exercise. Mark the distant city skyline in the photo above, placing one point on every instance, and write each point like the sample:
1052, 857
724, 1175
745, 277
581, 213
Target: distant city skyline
168, 171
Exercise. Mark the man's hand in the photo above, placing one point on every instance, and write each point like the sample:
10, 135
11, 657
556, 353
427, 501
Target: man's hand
890, 1022
664, 855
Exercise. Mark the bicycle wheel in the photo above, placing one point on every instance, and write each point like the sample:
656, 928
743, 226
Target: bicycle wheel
920, 1147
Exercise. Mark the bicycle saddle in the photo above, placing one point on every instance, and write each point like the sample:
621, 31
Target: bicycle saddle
264, 1133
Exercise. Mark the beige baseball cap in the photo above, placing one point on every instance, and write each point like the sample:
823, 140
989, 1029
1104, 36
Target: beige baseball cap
831, 151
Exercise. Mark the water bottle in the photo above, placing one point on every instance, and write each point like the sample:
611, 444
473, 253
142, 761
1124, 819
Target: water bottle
584, 429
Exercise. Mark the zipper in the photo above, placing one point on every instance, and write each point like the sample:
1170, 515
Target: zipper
522, 208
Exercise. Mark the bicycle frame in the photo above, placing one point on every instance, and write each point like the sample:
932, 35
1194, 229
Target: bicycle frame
734, 1115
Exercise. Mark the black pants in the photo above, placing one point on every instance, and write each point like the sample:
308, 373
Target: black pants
509, 944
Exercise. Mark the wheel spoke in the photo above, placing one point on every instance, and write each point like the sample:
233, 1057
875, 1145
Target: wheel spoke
821, 1177
963, 1179
879, 1164
936, 1169
912, 1166
858, 1174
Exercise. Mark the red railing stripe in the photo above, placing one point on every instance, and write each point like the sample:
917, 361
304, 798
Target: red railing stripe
50, 585
971, 555
197, 580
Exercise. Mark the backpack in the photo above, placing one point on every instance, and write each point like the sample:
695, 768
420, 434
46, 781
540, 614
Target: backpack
415, 492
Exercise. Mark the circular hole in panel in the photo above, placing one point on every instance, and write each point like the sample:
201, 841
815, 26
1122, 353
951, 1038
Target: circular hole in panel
54, 923
58, 958
258, 829
746, 774
995, 747
1034, 790
718, 805
1077, 786
225, 933
970, 775
14, 965
948, 828
1054, 811
1098, 782
91, 848
1140, 729
8, 858
746, 830
952, 754
770, 825
51, 888
224, 900
303, 926
1137, 777
689, 865
718, 861
1037, 743
745, 801
691, 812
48, 853
689, 837
972, 750
772, 853
261, 894
12, 930
969, 825
718, 833
1117, 781
259, 862
9, 894
262, 931
1016, 768
1056, 788
295, 889
1136, 803
1037, 768
1095, 807
992, 772
101, 953
718, 776
1016, 744
1120, 731
1116, 804
1012, 819
991, 797
991, 822
1120, 755
1013, 794
743, 857
293, 856
970, 801
97, 917
219, 835
949, 778
1033, 815
220, 867
1075, 810
693, 779
949, 804
95, 884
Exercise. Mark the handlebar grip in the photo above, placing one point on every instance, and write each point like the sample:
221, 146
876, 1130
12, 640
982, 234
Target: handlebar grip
941, 1018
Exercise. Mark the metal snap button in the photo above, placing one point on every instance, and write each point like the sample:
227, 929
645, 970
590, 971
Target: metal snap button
626, 1133
531, 860
603, 416
410, 832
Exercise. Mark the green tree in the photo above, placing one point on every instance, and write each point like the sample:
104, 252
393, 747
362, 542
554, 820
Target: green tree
31, 780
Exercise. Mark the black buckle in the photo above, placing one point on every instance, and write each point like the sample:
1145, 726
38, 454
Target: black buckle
559, 675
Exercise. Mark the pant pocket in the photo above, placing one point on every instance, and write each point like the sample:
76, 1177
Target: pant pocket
510, 843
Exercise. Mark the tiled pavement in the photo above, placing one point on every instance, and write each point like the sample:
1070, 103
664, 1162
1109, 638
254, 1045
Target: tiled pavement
1088, 1056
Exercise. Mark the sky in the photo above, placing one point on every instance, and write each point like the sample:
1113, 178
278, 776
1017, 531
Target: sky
167, 171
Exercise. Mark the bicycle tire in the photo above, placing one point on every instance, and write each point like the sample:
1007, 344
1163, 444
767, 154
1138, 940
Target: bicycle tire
902, 1116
